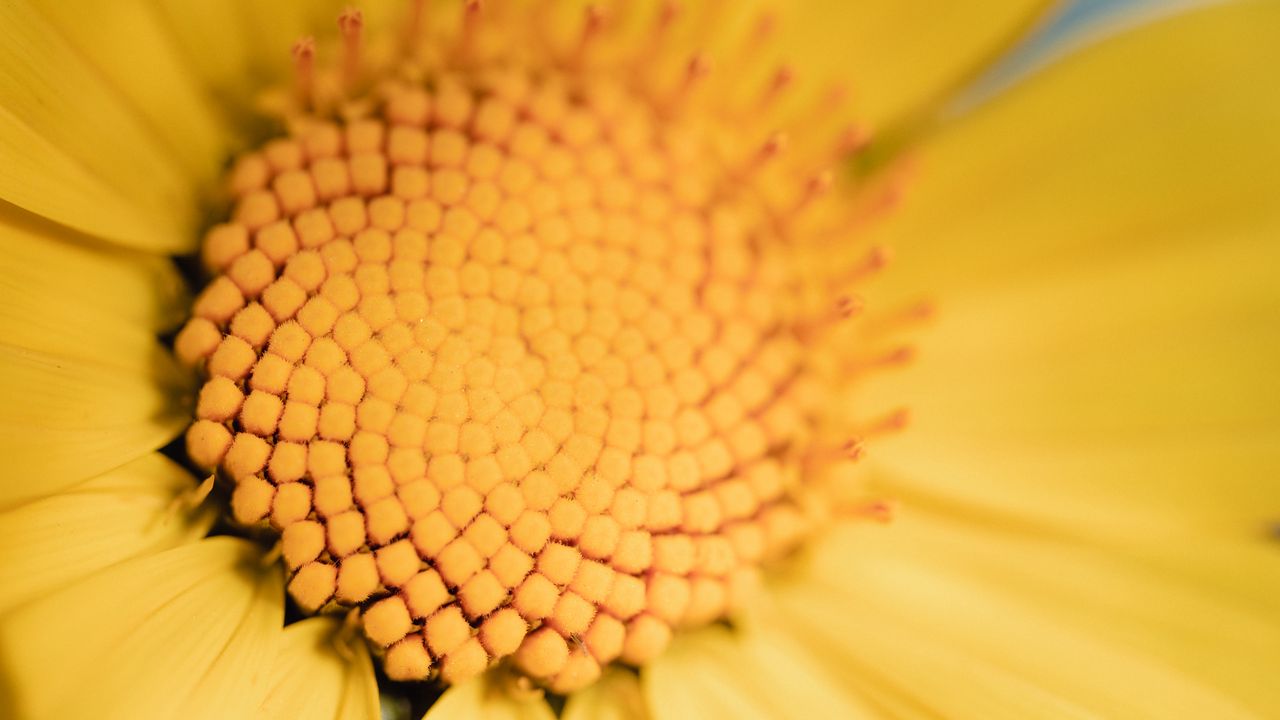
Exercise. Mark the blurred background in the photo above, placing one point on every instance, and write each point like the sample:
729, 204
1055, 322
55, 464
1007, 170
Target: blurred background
1073, 24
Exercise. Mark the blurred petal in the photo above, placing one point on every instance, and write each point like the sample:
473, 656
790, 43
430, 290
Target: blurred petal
1113, 148
615, 696
899, 56
75, 299
238, 47
484, 697
907, 674
1136, 400
753, 673
973, 619
321, 675
211, 37
138, 57
1103, 365
1068, 27
188, 633
685, 682
804, 687
74, 151
67, 419
134, 510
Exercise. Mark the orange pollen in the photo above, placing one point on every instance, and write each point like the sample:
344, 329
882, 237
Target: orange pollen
514, 356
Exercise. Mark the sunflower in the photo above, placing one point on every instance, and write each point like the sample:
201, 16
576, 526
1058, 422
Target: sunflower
510, 360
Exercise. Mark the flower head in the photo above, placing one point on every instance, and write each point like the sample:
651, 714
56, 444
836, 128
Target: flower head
551, 352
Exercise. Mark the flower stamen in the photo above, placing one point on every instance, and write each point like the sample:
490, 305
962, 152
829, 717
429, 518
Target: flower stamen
769, 151
696, 70
351, 25
657, 38
874, 261
593, 22
782, 79
893, 422
415, 28
836, 315
900, 319
755, 45
880, 511
472, 17
814, 188
304, 75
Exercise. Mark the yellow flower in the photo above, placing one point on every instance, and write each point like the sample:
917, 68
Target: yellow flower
394, 364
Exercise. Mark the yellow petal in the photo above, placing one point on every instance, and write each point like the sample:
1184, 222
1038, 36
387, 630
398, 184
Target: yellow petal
1110, 151
73, 151
128, 44
71, 298
686, 681
1104, 356
133, 510
486, 697
615, 696
213, 43
66, 419
1034, 618
1136, 399
239, 47
750, 673
320, 674
190, 633
900, 56
906, 674
804, 686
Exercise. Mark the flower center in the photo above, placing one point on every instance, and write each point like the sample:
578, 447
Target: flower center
518, 361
